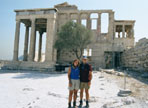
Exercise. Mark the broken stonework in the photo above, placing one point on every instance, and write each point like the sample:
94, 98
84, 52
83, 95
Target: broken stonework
137, 58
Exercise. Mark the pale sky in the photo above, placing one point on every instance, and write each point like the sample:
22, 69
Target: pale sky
124, 10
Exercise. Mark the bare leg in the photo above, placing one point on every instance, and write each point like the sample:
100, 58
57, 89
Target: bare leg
81, 94
70, 95
87, 94
81, 97
75, 95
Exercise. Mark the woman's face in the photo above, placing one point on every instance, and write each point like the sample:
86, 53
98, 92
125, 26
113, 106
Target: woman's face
76, 63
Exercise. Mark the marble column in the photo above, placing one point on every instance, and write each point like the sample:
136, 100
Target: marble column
50, 39
128, 33
99, 26
55, 55
99, 23
68, 17
79, 18
40, 47
87, 52
111, 26
118, 34
16, 41
32, 41
88, 21
26, 43
115, 27
115, 32
123, 31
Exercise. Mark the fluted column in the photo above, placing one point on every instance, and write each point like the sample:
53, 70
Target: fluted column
16, 41
26, 43
50, 39
88, 21
32, 41
123, 31
40, 47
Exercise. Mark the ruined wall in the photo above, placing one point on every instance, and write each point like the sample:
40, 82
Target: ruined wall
102, 42
137, 58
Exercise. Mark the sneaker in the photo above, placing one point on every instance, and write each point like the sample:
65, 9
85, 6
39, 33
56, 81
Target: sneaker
87, 104
74, 104
69, 105
81, 103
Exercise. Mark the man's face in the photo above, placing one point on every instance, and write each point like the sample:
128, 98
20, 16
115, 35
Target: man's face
84, 61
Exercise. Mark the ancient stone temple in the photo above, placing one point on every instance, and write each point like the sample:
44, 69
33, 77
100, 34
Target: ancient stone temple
106, 48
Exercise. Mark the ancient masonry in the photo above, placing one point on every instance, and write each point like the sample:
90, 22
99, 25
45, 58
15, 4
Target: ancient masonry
106, 47
137, 58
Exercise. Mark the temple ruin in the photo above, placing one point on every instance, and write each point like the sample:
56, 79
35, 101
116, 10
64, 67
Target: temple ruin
106, 49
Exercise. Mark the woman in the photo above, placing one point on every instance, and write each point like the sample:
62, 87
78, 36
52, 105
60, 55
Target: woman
74, 82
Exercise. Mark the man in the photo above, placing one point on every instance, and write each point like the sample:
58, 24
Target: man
85, 80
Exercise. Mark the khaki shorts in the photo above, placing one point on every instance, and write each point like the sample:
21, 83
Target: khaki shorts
84, 85
75, 85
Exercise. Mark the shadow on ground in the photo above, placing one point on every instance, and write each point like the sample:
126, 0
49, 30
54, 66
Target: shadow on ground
141, 76
31, 74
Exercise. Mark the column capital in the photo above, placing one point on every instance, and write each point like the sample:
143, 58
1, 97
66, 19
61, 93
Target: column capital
88, 14
99, 13
111, 12
51, 19
32, 19
79, 13
18, 20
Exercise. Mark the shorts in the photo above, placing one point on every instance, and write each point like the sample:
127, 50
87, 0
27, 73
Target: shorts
84, 85
75, 85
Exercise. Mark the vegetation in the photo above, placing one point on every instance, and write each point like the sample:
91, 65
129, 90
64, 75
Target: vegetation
73, 37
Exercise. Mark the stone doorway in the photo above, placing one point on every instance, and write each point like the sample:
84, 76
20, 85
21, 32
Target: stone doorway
112, 59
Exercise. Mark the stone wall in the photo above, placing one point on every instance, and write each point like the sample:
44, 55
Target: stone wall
136, 58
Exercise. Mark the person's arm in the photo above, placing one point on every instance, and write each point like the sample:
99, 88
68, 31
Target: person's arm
90, 75
69, 79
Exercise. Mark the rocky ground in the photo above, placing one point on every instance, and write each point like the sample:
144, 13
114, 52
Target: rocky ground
21, 89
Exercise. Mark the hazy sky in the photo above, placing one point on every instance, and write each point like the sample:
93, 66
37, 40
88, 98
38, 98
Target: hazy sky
124, 10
